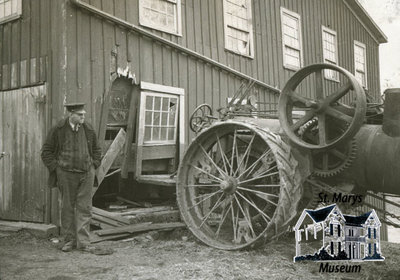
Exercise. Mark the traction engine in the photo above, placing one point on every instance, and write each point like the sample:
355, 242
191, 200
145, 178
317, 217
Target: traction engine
249, 173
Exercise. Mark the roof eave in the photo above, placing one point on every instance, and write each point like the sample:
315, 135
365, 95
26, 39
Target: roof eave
367, 20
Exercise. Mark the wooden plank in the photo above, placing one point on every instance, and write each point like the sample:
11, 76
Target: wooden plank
140, 227
114, 216
145, 210
106, 220
156, 217
94, 238
110, 156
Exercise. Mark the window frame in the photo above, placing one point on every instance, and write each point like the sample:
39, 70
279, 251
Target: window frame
145, 94
325, 59
178, 19
251, 36
286, 12
15, 15
363, 46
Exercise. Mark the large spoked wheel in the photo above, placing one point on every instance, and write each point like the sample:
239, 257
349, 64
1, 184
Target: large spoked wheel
238, 186
295, 110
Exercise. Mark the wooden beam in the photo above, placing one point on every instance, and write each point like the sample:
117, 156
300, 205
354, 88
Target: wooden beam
130, 129
139, 227
112, 152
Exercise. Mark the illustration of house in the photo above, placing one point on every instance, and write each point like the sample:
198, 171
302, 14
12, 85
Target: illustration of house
357, 236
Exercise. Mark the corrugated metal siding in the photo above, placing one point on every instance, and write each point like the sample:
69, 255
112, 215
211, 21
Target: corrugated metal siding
23, 188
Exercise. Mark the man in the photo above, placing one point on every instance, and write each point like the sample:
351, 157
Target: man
71, 153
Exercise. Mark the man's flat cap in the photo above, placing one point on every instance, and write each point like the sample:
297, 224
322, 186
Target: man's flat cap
75, 107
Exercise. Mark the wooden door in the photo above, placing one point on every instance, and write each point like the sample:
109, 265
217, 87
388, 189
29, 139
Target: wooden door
23, 177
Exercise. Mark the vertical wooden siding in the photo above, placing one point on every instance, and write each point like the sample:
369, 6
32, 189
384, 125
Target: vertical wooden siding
23, 189
24, 47
96, 48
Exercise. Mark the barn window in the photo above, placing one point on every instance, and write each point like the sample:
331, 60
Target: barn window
360, 61
291, 40
161, 118
164, 15
238, 27
329, 46
9, 10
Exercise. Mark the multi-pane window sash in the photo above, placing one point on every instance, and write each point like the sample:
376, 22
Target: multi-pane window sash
238, 26
329, 44
291, 38
9, 9
163, 15
360, 63
160, 118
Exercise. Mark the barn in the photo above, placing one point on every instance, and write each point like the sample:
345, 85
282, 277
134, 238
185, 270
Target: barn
150, 63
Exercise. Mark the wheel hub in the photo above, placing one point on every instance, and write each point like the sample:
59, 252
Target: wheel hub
229, 185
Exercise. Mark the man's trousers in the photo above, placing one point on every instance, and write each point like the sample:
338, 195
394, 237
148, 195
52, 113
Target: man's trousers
76, 211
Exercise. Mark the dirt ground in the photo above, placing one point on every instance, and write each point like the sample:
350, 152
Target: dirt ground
174, 255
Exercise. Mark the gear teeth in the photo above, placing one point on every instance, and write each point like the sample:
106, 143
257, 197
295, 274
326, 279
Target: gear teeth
344, 165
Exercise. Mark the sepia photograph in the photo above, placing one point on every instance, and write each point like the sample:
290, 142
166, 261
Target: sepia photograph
199, 139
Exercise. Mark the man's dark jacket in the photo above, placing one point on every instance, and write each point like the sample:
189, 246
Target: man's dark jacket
55, 140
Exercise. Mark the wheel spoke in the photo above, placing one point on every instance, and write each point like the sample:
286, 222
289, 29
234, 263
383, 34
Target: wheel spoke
297, 98
216, 205
244, 215
246, 154
265, 216
259, 177
212, 161
207, 173
234, 222
224, 215
251, 167
233, 151
208, 197
338, 115
267, 195
338, 154
223, 156
325, 161
302, 121
202, 186
266, 186
262, 195
253, 205
319, 85
322, 129
338, 94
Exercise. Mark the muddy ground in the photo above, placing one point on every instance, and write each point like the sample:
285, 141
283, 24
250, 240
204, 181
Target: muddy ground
173, 255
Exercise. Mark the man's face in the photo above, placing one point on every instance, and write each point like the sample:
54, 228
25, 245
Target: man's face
76, 118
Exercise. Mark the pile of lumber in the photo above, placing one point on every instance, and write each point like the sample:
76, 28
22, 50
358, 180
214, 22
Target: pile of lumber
124, 223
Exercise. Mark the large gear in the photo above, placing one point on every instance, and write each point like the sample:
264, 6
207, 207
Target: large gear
328, 163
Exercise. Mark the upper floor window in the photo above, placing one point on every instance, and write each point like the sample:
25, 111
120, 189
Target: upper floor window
9, 10
329, 46
360, 60
163, 15
238, 27
291, 40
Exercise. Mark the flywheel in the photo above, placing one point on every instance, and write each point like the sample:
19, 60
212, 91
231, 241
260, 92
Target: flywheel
238, 185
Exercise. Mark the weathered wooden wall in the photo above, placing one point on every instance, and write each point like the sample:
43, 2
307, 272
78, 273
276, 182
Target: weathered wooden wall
23, 188
97, 47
